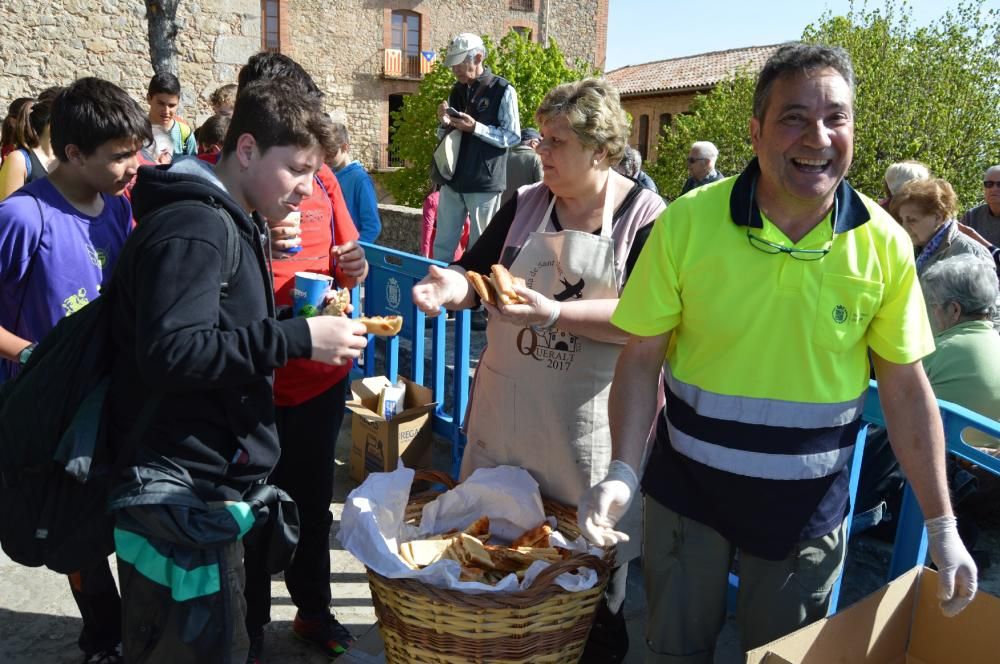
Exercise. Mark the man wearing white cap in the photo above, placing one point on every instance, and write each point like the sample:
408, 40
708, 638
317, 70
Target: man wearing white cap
483, 106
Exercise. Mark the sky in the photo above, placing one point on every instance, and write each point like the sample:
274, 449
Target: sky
647, 30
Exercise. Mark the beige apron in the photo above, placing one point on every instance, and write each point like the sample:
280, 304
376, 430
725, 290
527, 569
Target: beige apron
540, 398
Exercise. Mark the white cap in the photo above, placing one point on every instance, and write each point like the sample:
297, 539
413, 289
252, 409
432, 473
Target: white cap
460, 46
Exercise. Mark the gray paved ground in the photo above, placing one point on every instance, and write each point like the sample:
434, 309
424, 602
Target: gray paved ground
39, 623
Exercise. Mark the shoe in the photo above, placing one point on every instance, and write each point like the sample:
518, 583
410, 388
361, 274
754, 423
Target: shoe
256, 653
325, 633
113, 656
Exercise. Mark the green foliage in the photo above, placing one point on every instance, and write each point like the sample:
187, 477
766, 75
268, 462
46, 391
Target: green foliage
721, 117
929, 93
531, 68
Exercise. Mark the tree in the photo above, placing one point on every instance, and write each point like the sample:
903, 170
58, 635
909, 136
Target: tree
161, 23
531, 68
929, 93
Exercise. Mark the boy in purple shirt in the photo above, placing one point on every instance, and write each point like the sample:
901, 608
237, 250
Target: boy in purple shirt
59, 239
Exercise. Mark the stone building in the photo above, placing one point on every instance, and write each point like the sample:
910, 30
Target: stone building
365, 55
655, 92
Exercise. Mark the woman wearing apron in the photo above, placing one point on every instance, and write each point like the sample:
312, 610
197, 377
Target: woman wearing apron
539, 400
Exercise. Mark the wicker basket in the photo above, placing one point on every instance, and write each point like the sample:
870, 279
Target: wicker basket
544, 624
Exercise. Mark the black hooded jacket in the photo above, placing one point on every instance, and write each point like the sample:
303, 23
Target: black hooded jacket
210, 356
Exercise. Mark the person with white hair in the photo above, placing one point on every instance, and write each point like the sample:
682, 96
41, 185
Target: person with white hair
483, 107
631, 167
899, 174
701, 165
961, 294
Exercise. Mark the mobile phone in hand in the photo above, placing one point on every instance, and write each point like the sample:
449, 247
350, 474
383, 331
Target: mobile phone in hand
453, 112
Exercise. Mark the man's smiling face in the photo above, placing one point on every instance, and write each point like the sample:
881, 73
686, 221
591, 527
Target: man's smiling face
805, 141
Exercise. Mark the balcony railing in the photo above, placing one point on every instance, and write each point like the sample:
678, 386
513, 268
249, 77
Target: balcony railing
396, 64
386, 157
522, 5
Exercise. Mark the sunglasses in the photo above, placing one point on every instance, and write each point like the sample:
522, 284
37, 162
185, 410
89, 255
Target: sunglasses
692, 160
989, 184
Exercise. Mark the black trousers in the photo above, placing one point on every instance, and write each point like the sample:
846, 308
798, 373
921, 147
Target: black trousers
100, 607
308, 435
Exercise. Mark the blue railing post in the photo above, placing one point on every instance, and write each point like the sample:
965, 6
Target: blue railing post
910, 547
387, 291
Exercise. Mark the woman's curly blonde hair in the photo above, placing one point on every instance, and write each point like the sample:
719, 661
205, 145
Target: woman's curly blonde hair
594, 112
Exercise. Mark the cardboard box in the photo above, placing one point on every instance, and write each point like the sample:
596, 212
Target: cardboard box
377, 444
901, 623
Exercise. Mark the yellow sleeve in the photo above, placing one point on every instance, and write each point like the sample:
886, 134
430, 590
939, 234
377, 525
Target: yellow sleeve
650, 305
900, 331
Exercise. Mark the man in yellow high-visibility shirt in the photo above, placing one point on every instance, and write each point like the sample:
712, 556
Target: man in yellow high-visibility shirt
762, 296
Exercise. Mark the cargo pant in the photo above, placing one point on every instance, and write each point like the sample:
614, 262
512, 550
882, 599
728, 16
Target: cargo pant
686, 568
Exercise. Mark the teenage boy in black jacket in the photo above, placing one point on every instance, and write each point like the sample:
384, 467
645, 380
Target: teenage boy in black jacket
207, 355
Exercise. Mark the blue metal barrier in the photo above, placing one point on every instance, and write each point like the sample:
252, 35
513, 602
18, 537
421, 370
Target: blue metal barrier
391, 276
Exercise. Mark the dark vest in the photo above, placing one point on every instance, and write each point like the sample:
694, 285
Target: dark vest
481, 166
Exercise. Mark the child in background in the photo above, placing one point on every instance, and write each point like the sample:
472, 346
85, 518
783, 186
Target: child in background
173, 137
14, 125
211, 136
223, 100
33, 158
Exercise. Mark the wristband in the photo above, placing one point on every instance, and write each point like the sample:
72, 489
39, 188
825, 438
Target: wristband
22, 357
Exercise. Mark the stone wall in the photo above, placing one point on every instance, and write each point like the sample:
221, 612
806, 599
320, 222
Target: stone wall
340, 42
53, 42
401, 227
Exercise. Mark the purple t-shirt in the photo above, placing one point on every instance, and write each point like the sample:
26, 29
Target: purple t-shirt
76, 254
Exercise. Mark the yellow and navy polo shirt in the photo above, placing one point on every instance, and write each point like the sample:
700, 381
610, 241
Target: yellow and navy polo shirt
767, 367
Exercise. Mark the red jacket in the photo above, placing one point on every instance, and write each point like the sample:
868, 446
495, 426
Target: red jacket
325, 223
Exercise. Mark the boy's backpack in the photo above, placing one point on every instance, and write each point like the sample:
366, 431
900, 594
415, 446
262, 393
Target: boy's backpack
56, 464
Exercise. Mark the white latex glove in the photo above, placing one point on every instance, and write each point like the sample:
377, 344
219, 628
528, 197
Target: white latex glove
956, 569
603, 504
537, 309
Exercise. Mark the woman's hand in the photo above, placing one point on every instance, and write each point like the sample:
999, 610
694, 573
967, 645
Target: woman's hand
439, 288
536, 310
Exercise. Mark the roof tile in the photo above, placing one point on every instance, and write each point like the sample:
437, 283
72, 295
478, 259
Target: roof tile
690, 72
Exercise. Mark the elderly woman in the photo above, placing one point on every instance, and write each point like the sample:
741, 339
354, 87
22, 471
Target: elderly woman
539, 400
961, 294
926, 209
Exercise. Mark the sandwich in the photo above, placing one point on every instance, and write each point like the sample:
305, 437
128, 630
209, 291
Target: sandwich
337, 305
383, 326
497, 287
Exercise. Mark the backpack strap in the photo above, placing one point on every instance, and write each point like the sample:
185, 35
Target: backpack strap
31, 263
231, 254
231, 259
